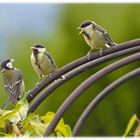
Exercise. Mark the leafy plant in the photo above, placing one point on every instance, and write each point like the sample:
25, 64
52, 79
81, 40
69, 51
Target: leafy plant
17, 122
131, 124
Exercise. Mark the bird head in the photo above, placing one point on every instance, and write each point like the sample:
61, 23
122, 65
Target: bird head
86, 26
7, 64
38, 49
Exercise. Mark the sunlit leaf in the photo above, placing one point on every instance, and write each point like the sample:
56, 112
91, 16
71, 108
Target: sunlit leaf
59, 134
130, 124
49, 116
21, 109
7, 135
61, 129
8, 115
33, 125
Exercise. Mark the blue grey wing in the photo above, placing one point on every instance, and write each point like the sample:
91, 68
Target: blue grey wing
10, 93
106, 35
50, 58
17, 86
109, 39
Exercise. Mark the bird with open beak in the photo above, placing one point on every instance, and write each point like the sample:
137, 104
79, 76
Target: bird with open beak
95, 36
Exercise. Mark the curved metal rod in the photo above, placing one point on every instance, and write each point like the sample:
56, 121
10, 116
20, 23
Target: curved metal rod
91, 107
86, 84
77, 71
77, 63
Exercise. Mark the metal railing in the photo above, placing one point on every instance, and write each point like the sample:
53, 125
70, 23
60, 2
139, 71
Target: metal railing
130, 51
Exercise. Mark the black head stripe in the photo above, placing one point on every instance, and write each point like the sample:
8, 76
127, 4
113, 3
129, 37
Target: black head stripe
38, 46
85, 24
3, 64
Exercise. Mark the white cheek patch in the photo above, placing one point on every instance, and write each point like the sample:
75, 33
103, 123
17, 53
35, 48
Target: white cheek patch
9, 65
42, 50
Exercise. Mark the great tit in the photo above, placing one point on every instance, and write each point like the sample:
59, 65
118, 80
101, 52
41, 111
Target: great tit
13, 82
95, 36
42, 61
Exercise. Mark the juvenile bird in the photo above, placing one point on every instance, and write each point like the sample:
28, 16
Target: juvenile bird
95, 36
42, 62
13, 82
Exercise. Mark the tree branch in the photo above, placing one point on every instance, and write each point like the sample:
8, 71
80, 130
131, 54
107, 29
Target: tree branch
77, 63
91, 107
86, 84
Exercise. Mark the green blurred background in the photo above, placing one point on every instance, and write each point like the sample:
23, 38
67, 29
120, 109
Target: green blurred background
54, 26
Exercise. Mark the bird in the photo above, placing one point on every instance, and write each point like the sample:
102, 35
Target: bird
13, 82
95, 36
42, 62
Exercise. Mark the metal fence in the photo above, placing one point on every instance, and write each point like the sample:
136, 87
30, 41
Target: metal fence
130, 51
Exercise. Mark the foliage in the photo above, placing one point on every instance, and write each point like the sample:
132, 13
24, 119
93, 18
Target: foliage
131, 124
17, 122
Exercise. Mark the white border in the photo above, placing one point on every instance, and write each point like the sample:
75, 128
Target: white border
69, 1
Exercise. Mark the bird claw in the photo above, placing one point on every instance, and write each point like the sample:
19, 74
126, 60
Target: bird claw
37, 85
31, 95
50, 75
89, 55
62, 77
101, 52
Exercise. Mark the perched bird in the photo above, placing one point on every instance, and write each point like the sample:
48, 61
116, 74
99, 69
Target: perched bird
42, 62
95, 36
13, 82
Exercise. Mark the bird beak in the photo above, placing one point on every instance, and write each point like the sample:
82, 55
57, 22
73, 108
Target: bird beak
32, 48
80, 29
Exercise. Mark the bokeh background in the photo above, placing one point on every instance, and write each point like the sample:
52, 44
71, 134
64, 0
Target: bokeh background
54, 26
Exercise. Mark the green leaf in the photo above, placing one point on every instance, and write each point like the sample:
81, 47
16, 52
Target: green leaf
20, 110
61, 129
49, 116
24, 106
130, 124
64, 129
7, 114
15, 115
7, 135
33, 125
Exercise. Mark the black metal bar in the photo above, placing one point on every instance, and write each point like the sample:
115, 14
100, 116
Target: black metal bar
86, 84
77, 63
91, 107
77, 71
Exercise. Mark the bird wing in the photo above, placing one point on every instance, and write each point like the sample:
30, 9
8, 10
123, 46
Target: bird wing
50, 58
14, 89
105, 34
10, 91
16, 85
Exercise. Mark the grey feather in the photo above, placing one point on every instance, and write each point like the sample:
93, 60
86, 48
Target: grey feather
50, 58
105, 34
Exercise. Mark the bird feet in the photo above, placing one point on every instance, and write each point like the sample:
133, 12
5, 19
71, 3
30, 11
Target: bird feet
101, 52
89, 55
